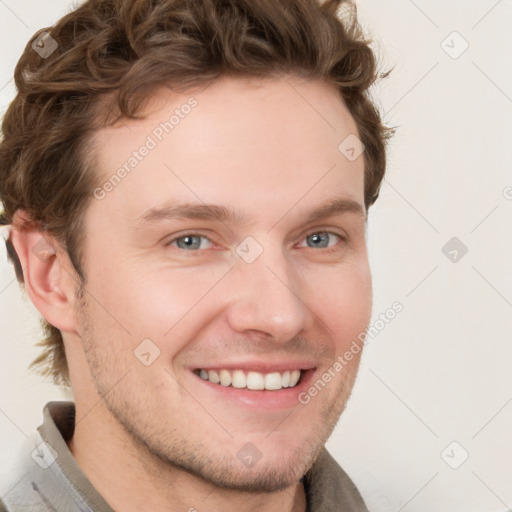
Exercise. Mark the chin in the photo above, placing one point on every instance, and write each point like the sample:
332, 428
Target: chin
284, 469
265, 479
245, 470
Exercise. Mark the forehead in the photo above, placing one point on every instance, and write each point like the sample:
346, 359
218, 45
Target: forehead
253, 144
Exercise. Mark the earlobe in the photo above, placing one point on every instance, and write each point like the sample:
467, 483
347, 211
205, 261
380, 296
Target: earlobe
49, 284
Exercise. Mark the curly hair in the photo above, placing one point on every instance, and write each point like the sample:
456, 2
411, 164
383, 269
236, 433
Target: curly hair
103, 59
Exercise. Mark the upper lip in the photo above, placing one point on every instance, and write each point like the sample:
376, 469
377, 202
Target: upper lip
260, 366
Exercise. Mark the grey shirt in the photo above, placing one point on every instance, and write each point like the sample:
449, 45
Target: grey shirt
48, 478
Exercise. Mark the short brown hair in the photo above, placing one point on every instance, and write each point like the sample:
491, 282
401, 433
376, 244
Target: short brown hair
110, 54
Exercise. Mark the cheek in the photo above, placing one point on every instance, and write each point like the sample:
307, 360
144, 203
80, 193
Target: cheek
150, 304
343, 300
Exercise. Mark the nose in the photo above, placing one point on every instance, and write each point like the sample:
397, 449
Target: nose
266, 298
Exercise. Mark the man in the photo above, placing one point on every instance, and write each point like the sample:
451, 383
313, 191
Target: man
187, 184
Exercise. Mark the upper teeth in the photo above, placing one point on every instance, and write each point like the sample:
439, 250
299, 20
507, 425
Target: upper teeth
252, 380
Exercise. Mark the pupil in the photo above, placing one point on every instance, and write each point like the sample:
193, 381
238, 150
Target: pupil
189, 241
318, 237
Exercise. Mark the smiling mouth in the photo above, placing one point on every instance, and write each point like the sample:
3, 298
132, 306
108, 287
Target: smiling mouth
252, 380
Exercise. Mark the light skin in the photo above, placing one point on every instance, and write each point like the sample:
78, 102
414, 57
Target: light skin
158, 437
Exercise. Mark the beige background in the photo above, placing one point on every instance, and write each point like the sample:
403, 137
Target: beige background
439, 372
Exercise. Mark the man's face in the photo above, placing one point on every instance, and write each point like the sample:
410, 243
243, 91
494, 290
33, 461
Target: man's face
270, 291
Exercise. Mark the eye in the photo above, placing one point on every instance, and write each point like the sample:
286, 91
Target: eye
321, 239
190, 241
194, 241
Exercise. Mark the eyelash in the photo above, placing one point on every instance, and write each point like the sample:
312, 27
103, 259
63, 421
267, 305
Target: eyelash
317, 231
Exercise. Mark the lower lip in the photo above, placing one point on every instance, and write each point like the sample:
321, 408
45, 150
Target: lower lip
284, 398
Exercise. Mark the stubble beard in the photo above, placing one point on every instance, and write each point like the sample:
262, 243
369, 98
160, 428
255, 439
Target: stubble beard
164, 451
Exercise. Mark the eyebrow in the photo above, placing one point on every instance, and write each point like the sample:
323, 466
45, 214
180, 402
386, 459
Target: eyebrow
226, 215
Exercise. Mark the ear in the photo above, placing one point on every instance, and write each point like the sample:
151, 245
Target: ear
49, 277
